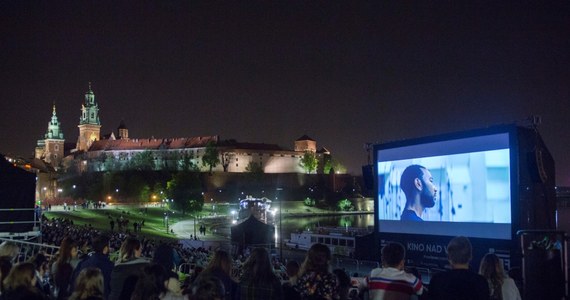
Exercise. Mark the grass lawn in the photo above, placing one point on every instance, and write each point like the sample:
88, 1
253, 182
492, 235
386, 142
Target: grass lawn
154, 217
100, 218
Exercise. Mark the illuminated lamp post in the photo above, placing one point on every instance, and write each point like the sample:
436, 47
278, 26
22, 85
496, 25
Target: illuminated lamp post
280, 224
166, 221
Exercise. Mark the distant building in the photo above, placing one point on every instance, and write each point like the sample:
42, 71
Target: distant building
89, 123
51, 148
118, 151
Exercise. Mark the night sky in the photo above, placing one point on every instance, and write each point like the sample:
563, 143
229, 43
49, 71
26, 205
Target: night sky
343, 73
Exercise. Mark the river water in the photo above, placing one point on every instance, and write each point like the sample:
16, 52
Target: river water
294, 224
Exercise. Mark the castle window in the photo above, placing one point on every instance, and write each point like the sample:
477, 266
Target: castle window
56, 147
237, 165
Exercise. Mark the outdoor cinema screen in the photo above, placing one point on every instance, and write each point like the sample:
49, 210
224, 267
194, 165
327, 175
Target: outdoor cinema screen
451, 187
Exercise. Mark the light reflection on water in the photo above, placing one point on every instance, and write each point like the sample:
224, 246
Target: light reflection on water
294, 224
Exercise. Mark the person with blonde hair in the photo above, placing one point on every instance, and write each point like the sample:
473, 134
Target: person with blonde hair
89, 285
127, 269
315, 277
8, 256
20, 283
9, 249
501, 286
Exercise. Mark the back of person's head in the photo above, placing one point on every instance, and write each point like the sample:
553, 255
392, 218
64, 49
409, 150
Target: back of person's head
492, 269
5, 266
99, 242
317, 259
407, 180
65, 250
343, 279
208, 288
459, 250
221, 260
10, 249
152, 283
258, 267
393, 254
89, 283
129, 248
39, 260
491, 266
292, 268
164, 255
20, 276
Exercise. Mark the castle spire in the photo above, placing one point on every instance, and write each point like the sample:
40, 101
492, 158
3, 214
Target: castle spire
54, 127
89, 123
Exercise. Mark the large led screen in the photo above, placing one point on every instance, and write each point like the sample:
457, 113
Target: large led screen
451, 187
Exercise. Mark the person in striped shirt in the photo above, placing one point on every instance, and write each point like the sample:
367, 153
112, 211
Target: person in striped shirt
391, 281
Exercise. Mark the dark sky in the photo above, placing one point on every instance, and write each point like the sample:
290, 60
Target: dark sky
344, 73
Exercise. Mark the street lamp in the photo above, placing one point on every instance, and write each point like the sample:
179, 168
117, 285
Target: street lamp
280, 224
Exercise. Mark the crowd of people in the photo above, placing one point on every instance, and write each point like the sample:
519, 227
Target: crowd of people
90, 264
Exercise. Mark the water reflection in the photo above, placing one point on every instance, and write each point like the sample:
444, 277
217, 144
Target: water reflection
294, 224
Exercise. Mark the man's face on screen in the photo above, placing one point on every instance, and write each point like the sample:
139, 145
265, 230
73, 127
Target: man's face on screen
429, 192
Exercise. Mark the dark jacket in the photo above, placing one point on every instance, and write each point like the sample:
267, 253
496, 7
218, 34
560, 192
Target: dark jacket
100, 261
230, 286
124, 278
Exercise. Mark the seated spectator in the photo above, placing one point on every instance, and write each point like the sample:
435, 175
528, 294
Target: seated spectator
208, 288
5, 266
20, 283
9, 249
259, 280
391, 281
315, 279
164, 256
501, 286
291, 269
459, 282
89, 285
127, 269
62, 269
98, 259
152, 284
40, 262
343, 283
221, 267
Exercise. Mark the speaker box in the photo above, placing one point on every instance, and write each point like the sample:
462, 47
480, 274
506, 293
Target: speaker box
17, 189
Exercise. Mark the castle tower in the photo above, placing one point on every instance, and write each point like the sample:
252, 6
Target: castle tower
89, 124
50, 149
123, 131
305, 143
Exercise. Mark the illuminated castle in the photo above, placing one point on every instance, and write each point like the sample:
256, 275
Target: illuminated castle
94, 153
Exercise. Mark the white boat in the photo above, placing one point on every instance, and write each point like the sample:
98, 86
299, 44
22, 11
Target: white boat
341, 241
